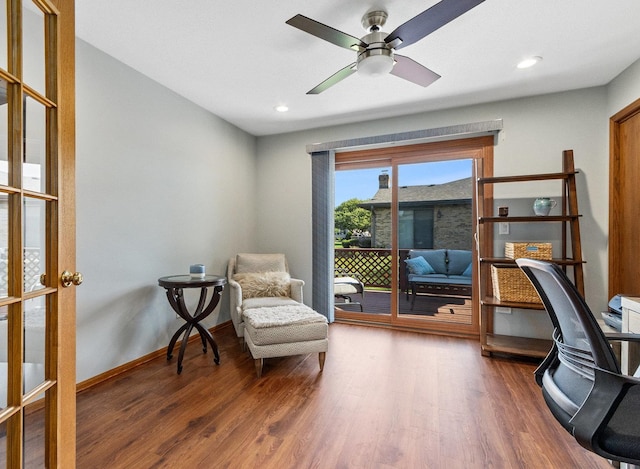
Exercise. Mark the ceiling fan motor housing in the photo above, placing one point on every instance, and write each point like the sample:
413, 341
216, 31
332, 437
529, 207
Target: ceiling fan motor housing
374, 20
377, 58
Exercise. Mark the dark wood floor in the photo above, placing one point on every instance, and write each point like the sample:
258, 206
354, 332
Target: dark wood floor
386, 399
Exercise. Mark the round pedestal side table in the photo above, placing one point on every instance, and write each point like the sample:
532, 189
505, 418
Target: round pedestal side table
175, 285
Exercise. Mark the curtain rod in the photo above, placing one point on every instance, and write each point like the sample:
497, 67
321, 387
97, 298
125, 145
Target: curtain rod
451, 132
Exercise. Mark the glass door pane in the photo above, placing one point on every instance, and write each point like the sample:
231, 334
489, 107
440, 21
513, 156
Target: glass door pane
4, 250
435, 236
33, 167
34, 232
34, 48
34, 243
34, 345
4, 245
3, 35
3, 444
363, 241
34, 439
4, 380
4, 132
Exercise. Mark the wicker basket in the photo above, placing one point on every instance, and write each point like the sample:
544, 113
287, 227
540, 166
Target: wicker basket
511, 284
529, 250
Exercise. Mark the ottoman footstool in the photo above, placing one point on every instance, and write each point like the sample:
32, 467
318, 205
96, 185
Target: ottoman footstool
281, 331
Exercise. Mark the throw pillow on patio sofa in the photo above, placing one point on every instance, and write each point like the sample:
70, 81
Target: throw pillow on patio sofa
419, 266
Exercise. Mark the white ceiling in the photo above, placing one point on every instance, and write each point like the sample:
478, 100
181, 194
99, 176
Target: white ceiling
239, 59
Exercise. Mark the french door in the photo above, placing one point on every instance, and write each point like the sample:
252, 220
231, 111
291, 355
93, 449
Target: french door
624, 211
37, 240
414, 223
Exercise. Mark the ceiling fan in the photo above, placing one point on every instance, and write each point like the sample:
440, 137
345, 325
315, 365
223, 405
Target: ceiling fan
376, 50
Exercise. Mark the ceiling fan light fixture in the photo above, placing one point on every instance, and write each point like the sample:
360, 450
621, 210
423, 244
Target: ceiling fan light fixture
377, 59
375, 65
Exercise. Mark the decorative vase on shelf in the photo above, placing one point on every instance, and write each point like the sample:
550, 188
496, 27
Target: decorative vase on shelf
543, 205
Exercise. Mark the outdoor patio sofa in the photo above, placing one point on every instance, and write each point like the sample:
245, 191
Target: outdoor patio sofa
439, 272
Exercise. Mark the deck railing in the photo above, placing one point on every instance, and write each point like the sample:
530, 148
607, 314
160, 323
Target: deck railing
373, 266
32, 270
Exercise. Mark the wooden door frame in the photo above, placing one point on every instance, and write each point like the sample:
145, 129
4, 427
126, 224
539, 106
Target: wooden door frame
65, 438
616, 181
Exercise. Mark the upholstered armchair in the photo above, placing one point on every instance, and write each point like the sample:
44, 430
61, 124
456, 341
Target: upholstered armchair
259, 281
267, 310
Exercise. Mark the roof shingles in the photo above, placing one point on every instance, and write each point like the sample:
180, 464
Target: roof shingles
459, 190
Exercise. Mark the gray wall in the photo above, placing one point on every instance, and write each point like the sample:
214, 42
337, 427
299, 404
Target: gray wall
536, 130
624, 89
163, 184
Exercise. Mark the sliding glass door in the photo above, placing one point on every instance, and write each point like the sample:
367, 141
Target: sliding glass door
420, 201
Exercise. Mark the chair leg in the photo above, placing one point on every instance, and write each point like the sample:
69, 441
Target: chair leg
258, 363
321, 358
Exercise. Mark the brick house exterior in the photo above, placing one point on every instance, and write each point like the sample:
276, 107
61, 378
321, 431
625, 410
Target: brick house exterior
431, 216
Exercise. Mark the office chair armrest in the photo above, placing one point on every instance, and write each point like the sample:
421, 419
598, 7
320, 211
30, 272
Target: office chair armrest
599, 405
622, 336
549, 360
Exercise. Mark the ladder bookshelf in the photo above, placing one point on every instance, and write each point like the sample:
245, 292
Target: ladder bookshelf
570, 256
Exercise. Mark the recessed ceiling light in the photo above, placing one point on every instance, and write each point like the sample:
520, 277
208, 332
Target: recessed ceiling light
282, 108
530, 62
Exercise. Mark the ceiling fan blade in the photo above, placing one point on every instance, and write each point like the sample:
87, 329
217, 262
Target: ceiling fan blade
327, 33
335, 78
428, 21
412, 71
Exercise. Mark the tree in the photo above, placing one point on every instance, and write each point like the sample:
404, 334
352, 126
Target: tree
348, 216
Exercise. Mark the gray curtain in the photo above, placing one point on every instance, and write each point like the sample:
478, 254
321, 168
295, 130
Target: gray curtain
323, 184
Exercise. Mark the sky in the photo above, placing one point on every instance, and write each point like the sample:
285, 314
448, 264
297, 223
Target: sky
363, 183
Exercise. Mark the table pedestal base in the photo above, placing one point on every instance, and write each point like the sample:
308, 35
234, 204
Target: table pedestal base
205, 336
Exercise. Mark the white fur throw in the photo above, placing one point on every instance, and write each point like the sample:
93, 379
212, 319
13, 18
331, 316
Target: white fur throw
281, 316
264, 284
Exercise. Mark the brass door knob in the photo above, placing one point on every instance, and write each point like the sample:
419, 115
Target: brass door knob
67, 278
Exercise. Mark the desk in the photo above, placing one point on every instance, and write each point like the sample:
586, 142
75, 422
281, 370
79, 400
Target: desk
175, 285
630, 352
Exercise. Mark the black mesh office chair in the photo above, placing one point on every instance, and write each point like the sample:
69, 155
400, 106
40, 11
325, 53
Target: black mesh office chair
580, 377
